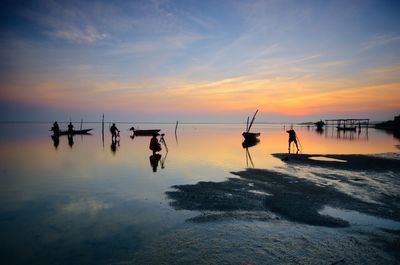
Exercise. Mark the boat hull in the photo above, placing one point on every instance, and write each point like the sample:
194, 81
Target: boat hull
249, 135
249, 142
74, 132
146, 132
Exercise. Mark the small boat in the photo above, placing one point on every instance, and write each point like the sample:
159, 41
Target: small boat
74, 132
249, 142
247, 134
145, 132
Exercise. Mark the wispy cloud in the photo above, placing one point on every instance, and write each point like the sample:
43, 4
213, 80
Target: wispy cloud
380, 40
88, 34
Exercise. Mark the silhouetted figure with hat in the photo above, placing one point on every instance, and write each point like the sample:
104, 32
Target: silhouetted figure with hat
70, 128
55, 128
292, 138
114, 132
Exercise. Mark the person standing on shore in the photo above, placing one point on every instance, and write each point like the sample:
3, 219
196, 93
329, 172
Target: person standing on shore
293, 138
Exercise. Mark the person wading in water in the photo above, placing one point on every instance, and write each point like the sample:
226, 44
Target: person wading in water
292, 138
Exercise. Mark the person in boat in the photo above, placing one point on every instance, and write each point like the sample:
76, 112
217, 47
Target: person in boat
293, 138
70, 128
155, 146
114, 131
55, 128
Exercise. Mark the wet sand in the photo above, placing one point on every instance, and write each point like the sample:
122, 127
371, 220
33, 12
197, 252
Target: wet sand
326, 191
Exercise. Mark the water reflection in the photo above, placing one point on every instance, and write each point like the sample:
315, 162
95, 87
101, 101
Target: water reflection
70, 140
246, 144
56, 141
98, 210
154, 159
114, 145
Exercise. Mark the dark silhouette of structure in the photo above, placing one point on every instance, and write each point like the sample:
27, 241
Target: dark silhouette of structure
320, 126
114, 132
292, 138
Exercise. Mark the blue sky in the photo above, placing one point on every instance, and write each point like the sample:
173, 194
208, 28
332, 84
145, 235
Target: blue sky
199, 60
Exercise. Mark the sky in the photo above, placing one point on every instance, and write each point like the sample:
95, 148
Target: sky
199, 61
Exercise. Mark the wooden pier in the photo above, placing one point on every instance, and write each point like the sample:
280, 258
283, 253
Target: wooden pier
348, 124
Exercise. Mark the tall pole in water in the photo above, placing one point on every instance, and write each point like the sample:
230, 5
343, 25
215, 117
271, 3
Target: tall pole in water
102, 129
176, 128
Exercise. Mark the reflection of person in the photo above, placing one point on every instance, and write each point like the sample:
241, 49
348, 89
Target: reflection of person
114, 130
154, 144
154, 159
114, 143
55, 128
70, 128
292, 138
70, 140
56, 140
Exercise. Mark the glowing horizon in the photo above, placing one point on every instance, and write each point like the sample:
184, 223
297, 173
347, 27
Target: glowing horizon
181, 58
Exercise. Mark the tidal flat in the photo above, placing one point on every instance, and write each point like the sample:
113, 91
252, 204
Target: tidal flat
210, 201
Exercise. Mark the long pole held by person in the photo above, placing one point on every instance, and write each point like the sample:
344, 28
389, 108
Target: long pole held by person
298, 140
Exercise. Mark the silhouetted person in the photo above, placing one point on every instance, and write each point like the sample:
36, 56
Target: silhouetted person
114, 132
55, 128
154, 144
70, 128
70, 140
292, 138
154, 159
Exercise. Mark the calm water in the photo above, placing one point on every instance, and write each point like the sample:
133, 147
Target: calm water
85, 203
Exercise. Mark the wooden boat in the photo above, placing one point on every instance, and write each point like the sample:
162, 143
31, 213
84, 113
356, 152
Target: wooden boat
247, 134
249, 142
150, 132
74, 132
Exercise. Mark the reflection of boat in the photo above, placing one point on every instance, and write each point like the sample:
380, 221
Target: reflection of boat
249, 142
74, 132
144, 132
247, 134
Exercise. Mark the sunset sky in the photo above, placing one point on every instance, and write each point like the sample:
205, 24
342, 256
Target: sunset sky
202, 61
